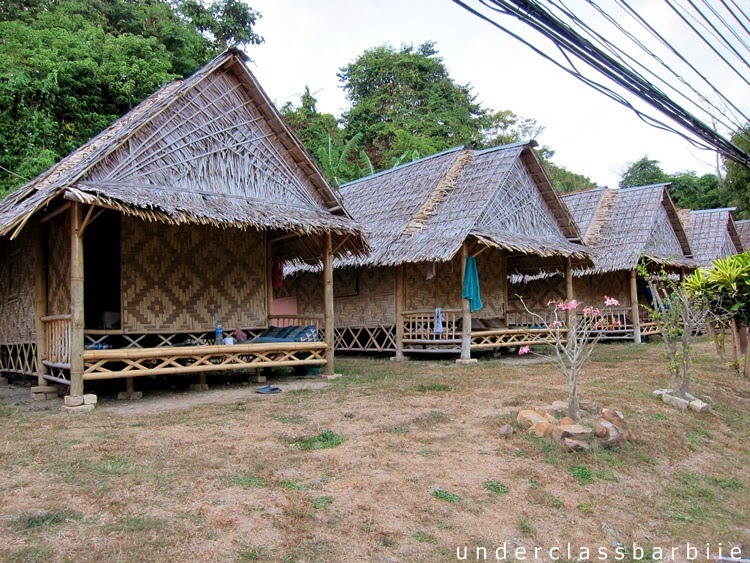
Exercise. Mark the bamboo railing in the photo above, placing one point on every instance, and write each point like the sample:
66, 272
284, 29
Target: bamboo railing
297, 320
57, 330
419, 326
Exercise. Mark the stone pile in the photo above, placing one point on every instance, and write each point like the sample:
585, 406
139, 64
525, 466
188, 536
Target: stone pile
551, 421
690, 402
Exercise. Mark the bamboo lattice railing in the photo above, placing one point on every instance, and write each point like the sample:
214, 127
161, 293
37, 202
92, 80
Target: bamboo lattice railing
419, 326
57, 330
297, 320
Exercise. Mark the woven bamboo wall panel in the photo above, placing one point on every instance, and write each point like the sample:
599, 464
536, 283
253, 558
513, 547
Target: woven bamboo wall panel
591, 290
537, 293
374, 305
307, 287
58, 268
443, 290
17, 287
182, 278
492, 281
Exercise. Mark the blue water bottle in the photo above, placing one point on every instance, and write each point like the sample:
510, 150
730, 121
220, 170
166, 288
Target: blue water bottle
219, 333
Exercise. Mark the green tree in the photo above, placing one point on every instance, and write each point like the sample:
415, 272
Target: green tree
409, 90
737, 180
691, 191
341, 160
642, 172
563, 179
68, 69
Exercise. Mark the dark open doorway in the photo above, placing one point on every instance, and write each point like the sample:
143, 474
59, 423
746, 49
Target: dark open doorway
101, 243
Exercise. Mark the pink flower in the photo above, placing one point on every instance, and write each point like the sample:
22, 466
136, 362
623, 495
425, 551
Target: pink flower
568, 305
616, 323
610, 301
555, 324
551, 302
591, 311
524, 350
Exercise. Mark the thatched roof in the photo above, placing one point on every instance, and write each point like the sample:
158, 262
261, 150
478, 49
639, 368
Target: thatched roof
743, 231
210, 149
621, 226
712, 234
426, 209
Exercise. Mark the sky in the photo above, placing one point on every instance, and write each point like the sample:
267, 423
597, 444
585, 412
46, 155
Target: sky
307, 42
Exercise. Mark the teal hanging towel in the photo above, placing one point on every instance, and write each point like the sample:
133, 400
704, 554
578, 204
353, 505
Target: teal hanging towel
471, 284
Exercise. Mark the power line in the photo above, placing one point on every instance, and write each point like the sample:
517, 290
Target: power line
570, 42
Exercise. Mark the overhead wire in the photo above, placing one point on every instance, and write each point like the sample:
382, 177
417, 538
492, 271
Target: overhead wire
567, 40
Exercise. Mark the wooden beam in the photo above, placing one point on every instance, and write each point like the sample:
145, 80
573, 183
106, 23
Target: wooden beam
328, 302
568, 287
76, 302
40, 303
634, 306
52, 214
465, 309
400, 306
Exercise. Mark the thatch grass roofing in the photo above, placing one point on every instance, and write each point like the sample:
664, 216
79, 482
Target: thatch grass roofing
622, 226
743, 231
210, 149
426, 209
712, 234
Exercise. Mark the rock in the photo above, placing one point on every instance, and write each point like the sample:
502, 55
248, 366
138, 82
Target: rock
540, 428
199, 386
658, 393
44, 389
79, 410
39, 396
567, 421
506, 431
71, 401
609, 435
549, 418
615, 418
526, 418
575, 431
588, 406
699, 406
125, 396
51, 396
560, 407
90, 399
572, 445
681, 404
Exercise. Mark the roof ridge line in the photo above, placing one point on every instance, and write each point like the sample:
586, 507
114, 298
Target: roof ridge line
599, 219
436, 197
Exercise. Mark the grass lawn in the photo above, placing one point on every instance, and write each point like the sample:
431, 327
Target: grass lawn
392, 462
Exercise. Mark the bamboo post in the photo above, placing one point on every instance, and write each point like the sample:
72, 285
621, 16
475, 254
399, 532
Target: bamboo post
328, 301
269, 278
568, 287
400, 307
465, 312
76, 302
634, 307
40, 305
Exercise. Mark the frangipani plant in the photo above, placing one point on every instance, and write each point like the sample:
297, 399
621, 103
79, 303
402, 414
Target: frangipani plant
575, 332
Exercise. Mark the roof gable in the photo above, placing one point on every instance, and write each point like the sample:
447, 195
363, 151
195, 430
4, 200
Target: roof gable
712, 234
209, 149
743, 231
425, 210
624, 225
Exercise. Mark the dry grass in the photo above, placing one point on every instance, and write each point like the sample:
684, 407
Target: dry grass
418, 471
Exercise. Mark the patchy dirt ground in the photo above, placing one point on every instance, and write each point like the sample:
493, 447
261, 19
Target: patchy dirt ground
392, 462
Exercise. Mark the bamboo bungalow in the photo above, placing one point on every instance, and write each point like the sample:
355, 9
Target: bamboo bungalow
118, 261
427, 222
623, 227
712, 234
743, 231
